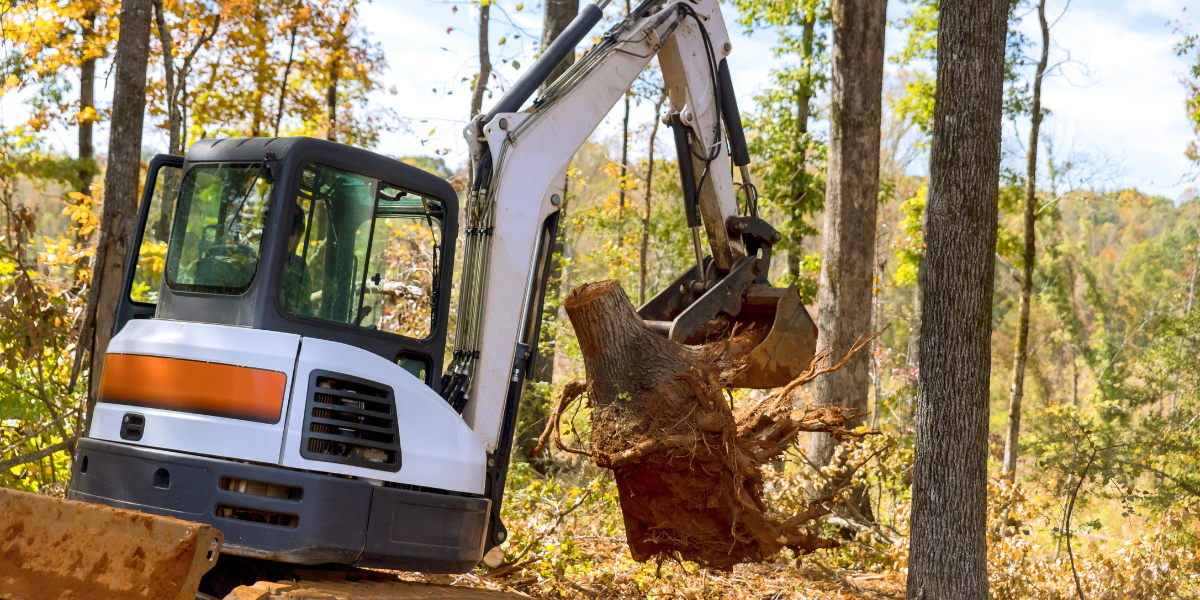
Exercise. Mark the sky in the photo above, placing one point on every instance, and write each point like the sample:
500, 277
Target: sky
1116, 99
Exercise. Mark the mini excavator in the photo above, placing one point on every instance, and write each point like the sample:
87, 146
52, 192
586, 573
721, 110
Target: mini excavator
280, 370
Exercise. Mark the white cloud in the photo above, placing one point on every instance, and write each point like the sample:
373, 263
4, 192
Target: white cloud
1129, 102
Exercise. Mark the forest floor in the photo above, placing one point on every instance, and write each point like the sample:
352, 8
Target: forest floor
610, 573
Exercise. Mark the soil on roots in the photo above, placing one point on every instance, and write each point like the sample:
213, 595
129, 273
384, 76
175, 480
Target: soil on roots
687, 463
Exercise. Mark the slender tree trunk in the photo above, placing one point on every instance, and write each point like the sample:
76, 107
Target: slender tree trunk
87, 100
260, 78
1011, 445
119, 216
334, 69
485, 62
644, 251
624, 152
851, 198
87, 103
948, 542
287, 70
800, 185
168, 50
624, 162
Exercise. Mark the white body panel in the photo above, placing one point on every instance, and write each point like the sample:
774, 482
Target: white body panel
202, 434
437, 449
531, 157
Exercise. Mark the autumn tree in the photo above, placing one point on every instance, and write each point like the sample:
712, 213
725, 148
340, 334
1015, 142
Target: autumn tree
51, 42
1028, 256
280, 67
947, 545
196, 28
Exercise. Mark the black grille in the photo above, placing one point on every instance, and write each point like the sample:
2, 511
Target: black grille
350, 421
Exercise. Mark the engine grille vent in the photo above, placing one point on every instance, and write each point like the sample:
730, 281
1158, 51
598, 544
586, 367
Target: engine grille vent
350, 421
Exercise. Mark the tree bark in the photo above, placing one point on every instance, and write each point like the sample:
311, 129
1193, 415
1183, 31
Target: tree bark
851, 198
287, 70
87, 100
1012, 438
260, 73
947, 544
485, 62
168, 51
624, 159
644, 251
121, 180
918, 313
334, 69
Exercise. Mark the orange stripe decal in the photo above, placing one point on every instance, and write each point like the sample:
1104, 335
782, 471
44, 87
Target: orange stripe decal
193, 386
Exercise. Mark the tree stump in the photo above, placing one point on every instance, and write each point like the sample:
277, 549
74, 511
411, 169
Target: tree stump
686, 462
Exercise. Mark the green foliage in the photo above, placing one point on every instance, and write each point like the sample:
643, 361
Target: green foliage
790, 161
910, 248
40, 304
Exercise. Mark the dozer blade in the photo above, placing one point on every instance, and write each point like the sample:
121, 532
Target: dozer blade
788, 349
55, 549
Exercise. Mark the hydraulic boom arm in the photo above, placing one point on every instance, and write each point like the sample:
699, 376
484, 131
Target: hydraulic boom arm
519, 162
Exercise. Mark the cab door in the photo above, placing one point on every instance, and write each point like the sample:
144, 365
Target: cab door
144, 268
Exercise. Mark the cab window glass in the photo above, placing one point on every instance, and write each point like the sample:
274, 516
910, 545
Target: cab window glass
362, 253
152, 254
218, 225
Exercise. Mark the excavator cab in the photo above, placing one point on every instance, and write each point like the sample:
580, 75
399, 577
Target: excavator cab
274, 367
284, 235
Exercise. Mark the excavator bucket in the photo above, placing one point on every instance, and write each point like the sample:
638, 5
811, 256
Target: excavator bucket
787, 350
63, 549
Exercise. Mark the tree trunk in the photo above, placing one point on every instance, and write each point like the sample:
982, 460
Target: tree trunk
918, 314
851, 198
559, 14
168, 51
644, 251
260, 74
687, 463
333, 67
1030, 257
287, 70
175, 81
801, 180
948, 545
121, 181
485, 62
87, 100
